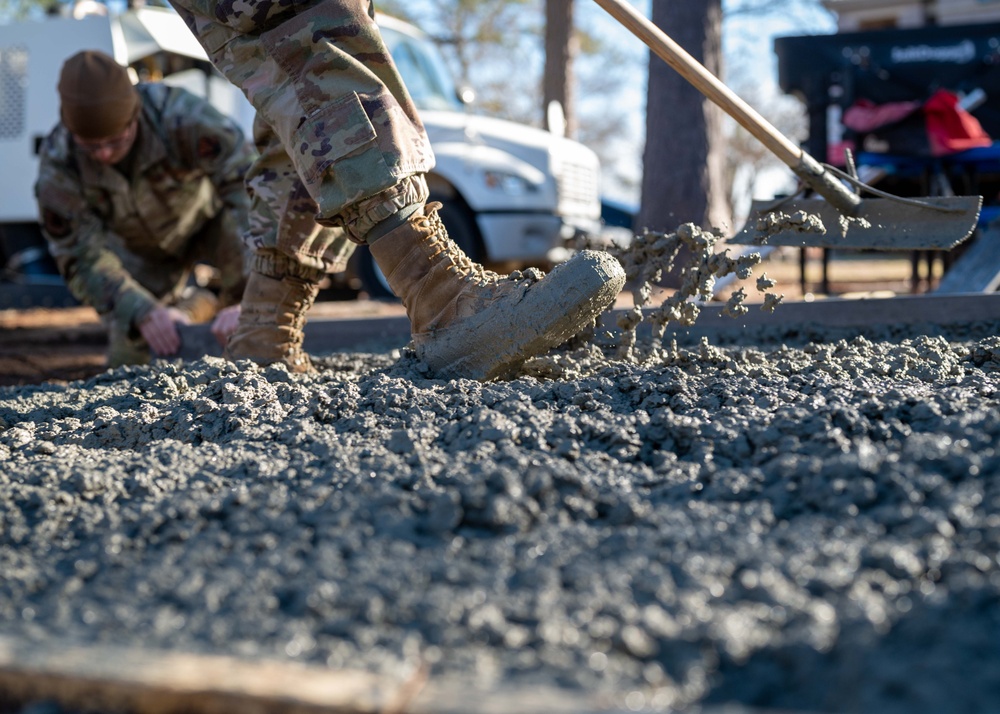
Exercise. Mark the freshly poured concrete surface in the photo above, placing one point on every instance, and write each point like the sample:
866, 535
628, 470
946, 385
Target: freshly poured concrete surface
786, 517
801, 525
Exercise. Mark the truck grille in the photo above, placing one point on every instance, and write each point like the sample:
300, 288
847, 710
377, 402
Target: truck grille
13, 85
578, 190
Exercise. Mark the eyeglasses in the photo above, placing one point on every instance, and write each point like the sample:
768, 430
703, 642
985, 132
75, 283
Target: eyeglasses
115, 143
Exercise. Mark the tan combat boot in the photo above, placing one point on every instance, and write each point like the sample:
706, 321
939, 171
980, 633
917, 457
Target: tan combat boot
470, 322
271, 320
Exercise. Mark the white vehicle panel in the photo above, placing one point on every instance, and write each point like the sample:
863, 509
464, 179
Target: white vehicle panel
26, 54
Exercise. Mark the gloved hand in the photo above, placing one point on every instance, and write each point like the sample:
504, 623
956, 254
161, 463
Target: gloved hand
225, 323
159, 329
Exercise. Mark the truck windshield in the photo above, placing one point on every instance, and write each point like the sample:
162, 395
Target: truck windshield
423, 70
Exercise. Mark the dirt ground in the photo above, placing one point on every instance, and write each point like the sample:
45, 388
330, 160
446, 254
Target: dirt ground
66, 344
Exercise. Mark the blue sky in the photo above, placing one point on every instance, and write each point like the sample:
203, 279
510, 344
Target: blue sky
755, 35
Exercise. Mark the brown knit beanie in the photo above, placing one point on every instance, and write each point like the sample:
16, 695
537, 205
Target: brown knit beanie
98, 99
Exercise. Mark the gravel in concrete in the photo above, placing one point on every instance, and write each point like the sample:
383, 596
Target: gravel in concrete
807, 522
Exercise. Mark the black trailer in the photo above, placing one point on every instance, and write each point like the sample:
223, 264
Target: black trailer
833, 73
829, 73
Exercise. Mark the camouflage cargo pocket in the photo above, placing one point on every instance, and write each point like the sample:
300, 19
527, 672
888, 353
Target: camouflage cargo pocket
338, 130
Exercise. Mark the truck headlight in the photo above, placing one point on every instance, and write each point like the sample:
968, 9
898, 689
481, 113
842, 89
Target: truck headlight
511, 184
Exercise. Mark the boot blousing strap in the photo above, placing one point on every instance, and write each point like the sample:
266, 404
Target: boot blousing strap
359, 219
392, 222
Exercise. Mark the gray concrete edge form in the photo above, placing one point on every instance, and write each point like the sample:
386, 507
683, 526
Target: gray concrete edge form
379, 333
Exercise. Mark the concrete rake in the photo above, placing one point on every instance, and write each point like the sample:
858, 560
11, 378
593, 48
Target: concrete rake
840, 217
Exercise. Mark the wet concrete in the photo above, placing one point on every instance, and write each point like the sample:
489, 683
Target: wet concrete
803, 521
790, 517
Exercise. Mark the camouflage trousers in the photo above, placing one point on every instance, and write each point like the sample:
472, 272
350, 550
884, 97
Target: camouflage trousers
168, 279
283, 237
325, 86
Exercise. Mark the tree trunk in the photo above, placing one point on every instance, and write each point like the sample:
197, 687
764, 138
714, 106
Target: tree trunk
683, 160
560, 49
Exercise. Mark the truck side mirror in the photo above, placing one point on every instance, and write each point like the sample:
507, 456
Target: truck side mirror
466, 95
555, 118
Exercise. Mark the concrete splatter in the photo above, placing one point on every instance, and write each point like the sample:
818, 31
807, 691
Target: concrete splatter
652, 255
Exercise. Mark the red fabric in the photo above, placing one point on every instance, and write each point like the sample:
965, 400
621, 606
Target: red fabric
865, 115
950, 128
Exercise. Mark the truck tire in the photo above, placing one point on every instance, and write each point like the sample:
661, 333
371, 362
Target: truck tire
460, 222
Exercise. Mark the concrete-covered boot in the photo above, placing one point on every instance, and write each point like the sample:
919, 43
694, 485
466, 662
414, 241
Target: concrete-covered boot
272, 317
469, 322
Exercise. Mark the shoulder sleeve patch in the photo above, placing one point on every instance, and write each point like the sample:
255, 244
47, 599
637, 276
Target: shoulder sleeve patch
56, 224
209, 147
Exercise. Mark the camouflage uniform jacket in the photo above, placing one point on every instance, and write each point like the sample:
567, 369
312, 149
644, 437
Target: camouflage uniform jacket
187, 165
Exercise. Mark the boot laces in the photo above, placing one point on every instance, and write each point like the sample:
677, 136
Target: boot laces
460, 263
301, 300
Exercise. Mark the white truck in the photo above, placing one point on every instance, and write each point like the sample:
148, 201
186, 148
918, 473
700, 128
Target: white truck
514, 195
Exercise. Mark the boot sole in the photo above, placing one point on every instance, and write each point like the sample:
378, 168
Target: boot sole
496, 342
